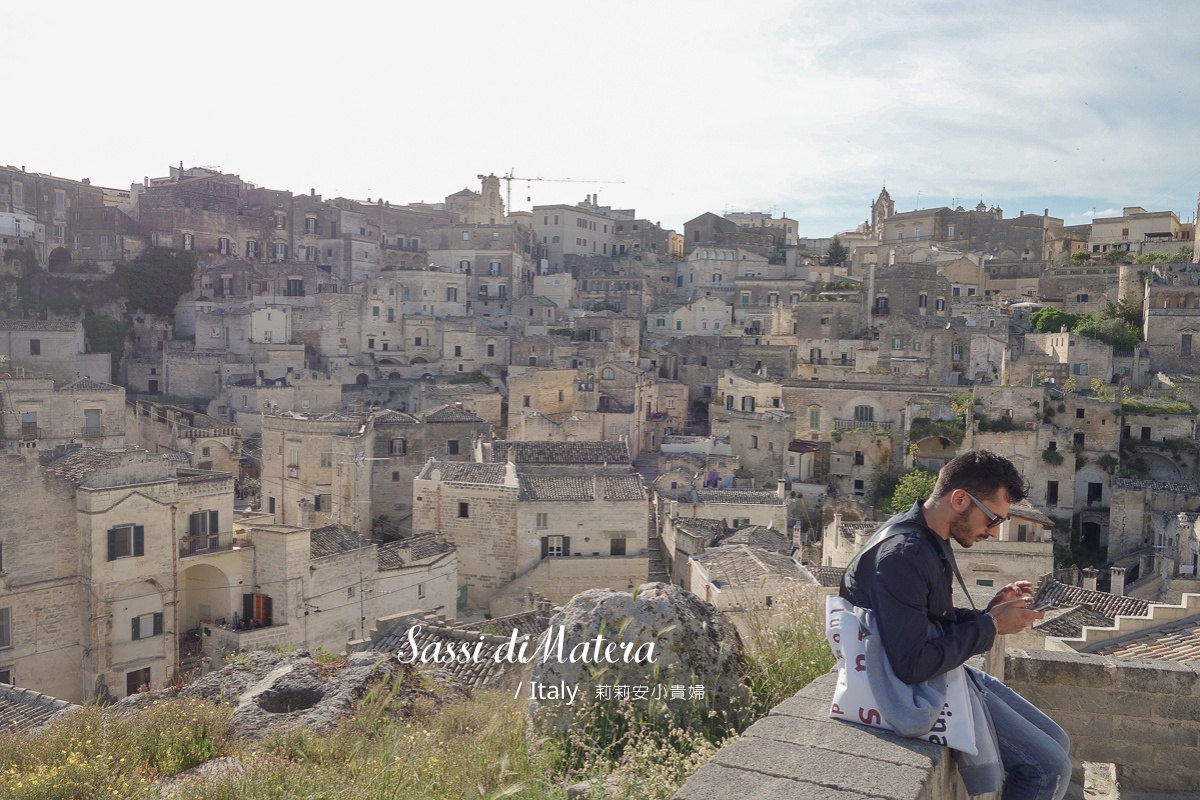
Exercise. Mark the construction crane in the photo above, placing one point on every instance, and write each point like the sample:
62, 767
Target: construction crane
509, 178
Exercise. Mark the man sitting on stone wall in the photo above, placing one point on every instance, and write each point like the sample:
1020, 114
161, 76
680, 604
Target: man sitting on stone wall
905, 578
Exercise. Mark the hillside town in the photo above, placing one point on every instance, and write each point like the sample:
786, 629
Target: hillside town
357, 410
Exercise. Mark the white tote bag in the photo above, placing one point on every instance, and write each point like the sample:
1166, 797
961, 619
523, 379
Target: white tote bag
869, 693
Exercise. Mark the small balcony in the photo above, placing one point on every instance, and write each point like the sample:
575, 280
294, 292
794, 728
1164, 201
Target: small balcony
92, 431
30, 431
861, 425
205, 544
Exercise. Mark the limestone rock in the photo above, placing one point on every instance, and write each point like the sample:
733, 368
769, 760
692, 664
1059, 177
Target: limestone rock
694, 646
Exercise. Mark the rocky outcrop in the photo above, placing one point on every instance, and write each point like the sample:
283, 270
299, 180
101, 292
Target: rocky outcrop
661, 638
271, 691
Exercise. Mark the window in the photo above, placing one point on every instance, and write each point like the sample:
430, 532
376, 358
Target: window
281, 222
753, 442
5, 628
251, 249
941, 304
922, 301
556, 546
281, 250
864, 413
466, 236
189, 241
452, 294
543, 521
1185, 345
323, 502
396, 475
1079, 413
452, 447
897, 343
985, 582
616, 546
606, 374
147, 625
1052, 493
270, 505
6, 674
295, 287
201, 526
1022, 533
1081, 298
970, 291
1095, 493
464, 510
956, 352
491, 350
859, 459
398, 447
1080, 369
35, 347
858, 488
125, 541
814, 418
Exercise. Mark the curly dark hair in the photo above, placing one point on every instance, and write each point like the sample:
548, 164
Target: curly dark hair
982, 473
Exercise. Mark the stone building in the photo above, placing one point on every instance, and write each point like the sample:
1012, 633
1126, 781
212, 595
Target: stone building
39, 414
50, 348
91, 586
207, 442
553, 518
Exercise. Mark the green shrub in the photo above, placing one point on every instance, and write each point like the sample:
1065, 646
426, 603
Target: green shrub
1052, 456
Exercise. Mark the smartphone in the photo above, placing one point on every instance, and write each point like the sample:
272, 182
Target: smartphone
1042, 606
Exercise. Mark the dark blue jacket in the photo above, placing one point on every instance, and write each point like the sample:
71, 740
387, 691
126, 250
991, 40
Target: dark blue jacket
906, 580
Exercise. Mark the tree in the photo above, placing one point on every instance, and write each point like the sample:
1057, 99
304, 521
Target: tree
837, 252
106, 335
916, 484
1080, 258
1052, 320
157, 280
1117, 256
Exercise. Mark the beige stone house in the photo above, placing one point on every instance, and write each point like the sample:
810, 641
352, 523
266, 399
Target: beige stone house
39, 414
552, 518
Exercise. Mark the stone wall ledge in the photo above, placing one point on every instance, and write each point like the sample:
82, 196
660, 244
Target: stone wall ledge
798, 753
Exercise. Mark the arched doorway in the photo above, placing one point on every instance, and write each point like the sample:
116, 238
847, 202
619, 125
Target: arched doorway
206, 595
362, 379
60, 260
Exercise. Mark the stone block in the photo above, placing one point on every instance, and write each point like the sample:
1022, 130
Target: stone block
1053, 667
845, 737
1169, 734
1054, 699
716, 782
1156, 677
1110, 751
869, 776
1175, 708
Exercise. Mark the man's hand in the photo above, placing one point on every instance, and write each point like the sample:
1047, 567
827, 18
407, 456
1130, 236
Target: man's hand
1013, 616
1013, 591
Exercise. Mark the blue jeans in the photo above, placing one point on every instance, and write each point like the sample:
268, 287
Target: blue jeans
1033, 748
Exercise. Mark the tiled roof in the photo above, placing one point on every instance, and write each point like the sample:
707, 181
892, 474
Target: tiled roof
334, 539
699, 526
759, 536
1109, 605
852, 529
746, 565
406, 552
87, 384
623, 487
10, 324
1179, 641
24, 710
740, 496
392, 417
562, 452
829, 577
76, 465
449, 413
470, 472
557, 487
1025, 511
1070, 623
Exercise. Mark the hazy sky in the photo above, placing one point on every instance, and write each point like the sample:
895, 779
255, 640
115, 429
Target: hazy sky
798, 107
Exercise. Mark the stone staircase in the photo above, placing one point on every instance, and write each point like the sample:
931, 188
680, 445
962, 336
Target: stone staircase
658, 567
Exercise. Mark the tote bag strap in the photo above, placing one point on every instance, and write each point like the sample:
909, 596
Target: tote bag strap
899, 529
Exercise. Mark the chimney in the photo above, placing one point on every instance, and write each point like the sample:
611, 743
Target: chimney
312, 192
1117, 574
1021, 213
1089, 579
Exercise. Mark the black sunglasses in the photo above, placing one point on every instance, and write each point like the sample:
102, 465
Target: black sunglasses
993, 520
